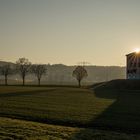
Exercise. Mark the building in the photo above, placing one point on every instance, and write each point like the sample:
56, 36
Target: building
133, 65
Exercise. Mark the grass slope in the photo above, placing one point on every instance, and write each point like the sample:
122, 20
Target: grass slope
64, 105
12, 129
103, 108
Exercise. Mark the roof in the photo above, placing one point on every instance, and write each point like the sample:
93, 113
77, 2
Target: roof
133, 53
130, 54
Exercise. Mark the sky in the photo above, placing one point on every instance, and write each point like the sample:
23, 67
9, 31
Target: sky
100, 32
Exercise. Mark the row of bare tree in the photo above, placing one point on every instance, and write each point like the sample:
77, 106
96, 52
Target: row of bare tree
23, 67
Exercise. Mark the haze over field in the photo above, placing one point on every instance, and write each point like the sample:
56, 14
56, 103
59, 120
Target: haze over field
62, 74
68, 31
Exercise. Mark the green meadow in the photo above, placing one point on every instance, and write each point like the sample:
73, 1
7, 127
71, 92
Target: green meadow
69, 113
12, 129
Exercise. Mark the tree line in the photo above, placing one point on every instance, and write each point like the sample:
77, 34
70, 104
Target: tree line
23, 67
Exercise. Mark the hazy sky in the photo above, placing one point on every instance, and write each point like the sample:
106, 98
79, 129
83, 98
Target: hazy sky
69, 31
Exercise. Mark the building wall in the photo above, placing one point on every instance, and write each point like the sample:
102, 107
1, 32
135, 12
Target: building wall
133, 66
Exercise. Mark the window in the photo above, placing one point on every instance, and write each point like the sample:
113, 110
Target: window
134, 64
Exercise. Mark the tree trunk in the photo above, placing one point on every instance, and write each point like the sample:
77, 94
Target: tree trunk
23, 81
6, 80
38, 82
79, 83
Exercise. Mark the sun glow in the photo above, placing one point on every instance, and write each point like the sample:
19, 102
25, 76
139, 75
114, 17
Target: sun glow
137, 50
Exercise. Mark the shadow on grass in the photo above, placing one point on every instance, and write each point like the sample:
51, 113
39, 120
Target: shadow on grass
24, 93
123, 116
34, 85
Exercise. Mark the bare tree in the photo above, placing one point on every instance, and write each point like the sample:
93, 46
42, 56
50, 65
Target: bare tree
6, 70
23, 67
39, 70
80, 73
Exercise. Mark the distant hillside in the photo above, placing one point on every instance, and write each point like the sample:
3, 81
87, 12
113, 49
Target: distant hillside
62, 74
5, 63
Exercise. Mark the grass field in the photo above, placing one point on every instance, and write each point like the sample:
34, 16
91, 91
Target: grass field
65, 106
99, 113
12, 129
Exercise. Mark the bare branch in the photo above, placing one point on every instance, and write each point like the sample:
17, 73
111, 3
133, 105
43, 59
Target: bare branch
5, 71
23, 67
39, 70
